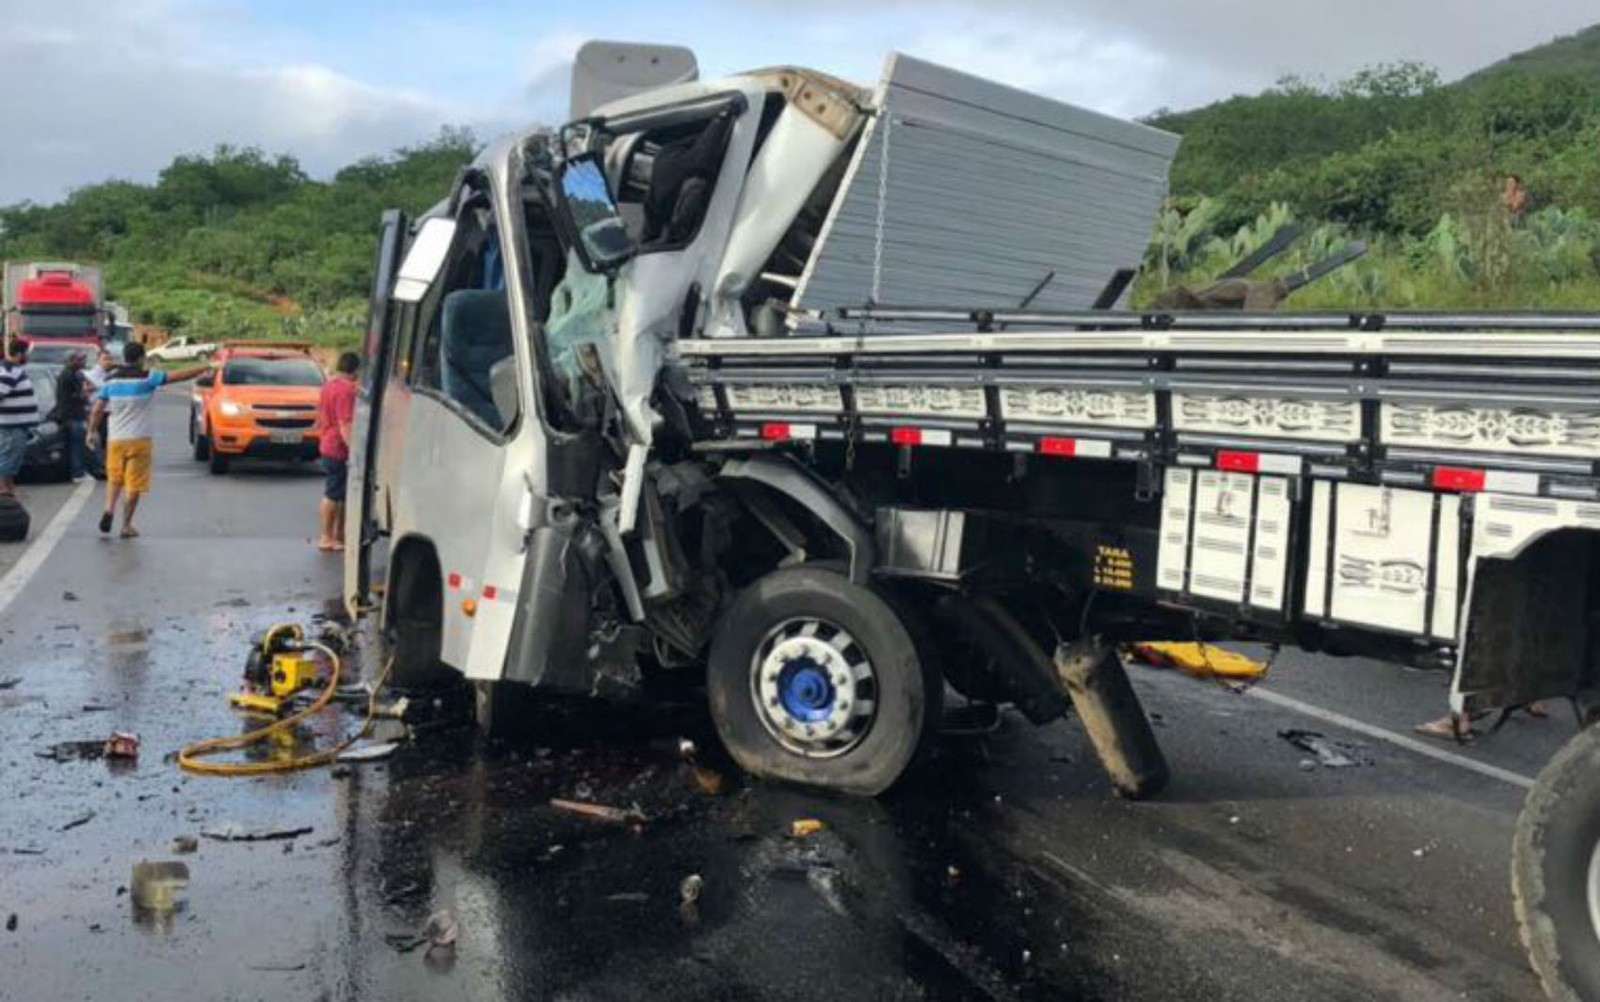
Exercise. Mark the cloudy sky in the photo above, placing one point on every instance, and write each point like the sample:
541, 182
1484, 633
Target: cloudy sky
97, 89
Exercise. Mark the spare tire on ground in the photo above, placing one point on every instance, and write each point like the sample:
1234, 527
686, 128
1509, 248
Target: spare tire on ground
13, 521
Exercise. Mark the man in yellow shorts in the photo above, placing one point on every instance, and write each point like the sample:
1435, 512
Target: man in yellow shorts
127, 398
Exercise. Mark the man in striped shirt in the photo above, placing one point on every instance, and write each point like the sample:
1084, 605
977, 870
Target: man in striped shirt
19, 412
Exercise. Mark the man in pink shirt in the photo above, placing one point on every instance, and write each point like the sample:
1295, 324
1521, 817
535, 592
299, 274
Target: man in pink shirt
336, 410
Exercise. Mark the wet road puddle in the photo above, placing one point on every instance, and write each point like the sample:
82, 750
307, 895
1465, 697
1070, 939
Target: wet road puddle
699, 890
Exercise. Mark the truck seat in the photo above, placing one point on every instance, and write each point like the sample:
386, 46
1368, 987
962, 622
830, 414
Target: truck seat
475, 333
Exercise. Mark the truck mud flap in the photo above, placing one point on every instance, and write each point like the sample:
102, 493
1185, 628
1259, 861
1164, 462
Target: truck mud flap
568, 564
1113, 718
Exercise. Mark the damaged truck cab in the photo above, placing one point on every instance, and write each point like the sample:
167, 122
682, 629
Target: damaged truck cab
633, 413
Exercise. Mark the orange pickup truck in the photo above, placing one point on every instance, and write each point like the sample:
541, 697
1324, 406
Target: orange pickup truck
259, 402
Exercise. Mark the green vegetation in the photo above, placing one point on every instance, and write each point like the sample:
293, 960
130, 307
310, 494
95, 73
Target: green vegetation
240, 244
1411, 166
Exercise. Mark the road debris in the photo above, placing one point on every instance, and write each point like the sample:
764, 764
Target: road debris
27, 850
600, 812
804, 827
632, 897
369, 753
122, 744
440, 933
1331, 753
78, 822
689, 891
11, 922
95, 708
277, 967
155, 885
184, 844
709, 781
1198, 660
236, 833
10, 682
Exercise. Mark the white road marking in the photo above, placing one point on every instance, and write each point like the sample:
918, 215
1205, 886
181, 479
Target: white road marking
1399, 740
23, 571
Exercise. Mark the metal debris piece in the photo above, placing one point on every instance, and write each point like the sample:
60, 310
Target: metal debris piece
600, 812
689, 891
369, 753
805, 826
78, 821
122, 744
68, 751
236, 833
442, 930
184, 844
1331, 753
155, 885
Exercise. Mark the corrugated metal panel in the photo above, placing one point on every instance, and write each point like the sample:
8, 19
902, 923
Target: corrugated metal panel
984, 191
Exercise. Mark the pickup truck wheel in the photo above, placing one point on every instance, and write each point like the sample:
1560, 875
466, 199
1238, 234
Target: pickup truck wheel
219, 462
818, 680
1555, 872
199, 443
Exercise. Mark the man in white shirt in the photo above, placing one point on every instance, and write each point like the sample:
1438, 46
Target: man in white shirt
19, 412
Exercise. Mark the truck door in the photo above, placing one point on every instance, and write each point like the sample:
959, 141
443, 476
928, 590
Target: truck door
361, 527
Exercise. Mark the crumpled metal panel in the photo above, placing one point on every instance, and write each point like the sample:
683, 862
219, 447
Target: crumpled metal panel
986, 190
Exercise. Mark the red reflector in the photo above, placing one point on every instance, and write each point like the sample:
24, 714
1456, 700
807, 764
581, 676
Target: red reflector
454, 580
1239, 462
1457, 478
489, 592
1058, 446
774, 432
906, 436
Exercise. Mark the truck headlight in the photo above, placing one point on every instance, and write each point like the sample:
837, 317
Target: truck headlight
231, 409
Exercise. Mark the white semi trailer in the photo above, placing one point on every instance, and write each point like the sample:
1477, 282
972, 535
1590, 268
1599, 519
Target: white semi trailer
635, 406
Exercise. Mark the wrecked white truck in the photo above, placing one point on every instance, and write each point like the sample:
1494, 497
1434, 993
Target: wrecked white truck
635, 408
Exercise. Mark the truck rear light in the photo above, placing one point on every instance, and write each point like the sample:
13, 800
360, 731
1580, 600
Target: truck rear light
1458, 478
780, 431
1084, 447
1259, 462
920, 436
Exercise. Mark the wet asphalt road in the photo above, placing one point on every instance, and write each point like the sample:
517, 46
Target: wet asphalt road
1003, 871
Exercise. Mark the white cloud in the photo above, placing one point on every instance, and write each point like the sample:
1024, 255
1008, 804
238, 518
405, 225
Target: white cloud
180, 81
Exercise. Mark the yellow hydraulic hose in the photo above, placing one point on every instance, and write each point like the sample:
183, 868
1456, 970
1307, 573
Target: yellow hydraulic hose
189, 757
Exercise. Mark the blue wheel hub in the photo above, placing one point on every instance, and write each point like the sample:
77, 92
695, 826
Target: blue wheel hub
805, 690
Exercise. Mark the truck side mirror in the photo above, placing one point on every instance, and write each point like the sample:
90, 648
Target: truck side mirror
425, 259
595, 227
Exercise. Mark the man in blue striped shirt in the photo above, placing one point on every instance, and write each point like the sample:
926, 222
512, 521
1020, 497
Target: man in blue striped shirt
127, 398
19, 412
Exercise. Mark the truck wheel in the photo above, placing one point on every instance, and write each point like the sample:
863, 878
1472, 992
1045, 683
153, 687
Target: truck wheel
219, 462
418, 624
1555, 872
817, 680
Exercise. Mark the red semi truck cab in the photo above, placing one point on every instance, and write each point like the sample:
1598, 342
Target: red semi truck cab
54, 303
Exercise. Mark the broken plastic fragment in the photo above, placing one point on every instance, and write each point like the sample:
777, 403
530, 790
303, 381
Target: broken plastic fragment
155, 886
805, 826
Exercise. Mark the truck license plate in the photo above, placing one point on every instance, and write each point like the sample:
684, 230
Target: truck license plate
285, 437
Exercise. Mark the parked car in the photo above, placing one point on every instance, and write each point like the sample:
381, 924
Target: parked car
57, 352
260, 402
182, 349
46, 456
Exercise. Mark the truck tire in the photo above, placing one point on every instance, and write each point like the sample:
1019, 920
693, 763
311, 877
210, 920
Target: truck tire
1555, 872
418, 624
817, 680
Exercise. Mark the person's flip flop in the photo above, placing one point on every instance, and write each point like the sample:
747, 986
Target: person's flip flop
1445, 729
105, 522
130, 533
